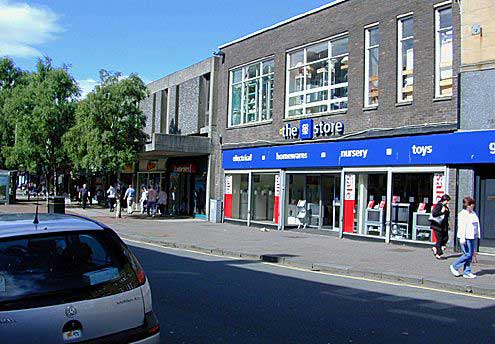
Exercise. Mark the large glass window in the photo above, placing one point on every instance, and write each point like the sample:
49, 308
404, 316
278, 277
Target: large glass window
372, 53
365, 203
317, 78
405, 59
251, 93
412, 200
240, 196
263, 197
444, 51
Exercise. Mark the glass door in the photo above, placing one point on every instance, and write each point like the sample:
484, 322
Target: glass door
313, 200
330, 202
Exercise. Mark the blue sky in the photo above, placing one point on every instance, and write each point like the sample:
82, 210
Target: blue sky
150, 38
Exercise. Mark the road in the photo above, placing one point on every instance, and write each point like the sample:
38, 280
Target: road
207, 299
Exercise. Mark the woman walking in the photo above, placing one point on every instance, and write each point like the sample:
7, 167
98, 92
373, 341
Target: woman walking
468, 234
441, 227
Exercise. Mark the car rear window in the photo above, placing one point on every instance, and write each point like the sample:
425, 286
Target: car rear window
62, 267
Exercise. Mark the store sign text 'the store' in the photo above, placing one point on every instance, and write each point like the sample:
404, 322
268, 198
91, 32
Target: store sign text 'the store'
308, 129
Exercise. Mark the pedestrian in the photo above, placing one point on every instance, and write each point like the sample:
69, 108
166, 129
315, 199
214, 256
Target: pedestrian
152, 198
162, 201
468, 233
83, 195
111, 194
172, 201
143, 199
439, 223
129, 197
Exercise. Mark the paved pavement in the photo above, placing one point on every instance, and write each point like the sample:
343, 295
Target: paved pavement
208, 299
379, 261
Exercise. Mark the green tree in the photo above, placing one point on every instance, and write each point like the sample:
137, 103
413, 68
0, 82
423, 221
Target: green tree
44, 110
108, 133
10, 77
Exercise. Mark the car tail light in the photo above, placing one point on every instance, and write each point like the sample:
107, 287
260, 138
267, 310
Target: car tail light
141, 276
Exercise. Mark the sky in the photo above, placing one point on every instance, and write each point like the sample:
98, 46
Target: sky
149, 38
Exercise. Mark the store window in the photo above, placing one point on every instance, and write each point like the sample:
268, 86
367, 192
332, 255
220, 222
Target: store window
372, 55
413, 197
313, 200
365, 203
263, 197
251, 93
317, 78
236, 196
405, 59
444, 51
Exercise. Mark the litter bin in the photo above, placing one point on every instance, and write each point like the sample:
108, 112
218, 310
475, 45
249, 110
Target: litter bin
56, 205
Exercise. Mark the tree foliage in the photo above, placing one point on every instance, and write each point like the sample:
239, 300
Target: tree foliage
10, 77
108, 132
43, 108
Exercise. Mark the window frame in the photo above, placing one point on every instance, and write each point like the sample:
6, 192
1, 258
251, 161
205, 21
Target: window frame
400, 24
329, 87
243, 82
438, 31
367, 49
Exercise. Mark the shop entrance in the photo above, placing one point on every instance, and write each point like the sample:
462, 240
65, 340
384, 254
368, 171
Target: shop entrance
487, 212
181, 184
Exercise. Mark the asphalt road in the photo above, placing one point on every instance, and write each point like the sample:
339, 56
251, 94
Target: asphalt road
207, 299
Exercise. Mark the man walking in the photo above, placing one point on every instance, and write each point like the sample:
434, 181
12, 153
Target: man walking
129, 197
83, 194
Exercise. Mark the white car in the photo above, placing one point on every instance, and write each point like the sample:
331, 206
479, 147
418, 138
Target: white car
69, 279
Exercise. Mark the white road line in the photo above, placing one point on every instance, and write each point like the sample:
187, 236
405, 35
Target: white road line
322, 272
345, 297
422, 315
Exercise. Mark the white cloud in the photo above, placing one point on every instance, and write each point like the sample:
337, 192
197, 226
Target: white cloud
23, 26
87, 85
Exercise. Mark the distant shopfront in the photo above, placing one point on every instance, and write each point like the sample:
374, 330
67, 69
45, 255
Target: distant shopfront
186, 177
378, 188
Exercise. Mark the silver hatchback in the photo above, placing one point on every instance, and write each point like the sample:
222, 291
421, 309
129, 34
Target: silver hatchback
69, 279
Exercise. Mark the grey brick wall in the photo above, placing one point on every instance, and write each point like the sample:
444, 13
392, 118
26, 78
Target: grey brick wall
147, 108
478, 100
189, 107
350, 16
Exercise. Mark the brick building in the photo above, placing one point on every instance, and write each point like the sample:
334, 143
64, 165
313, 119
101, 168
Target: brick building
345, 119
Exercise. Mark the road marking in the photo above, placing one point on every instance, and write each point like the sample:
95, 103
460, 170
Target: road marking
323, 273
436, 306
392, 298
422, 315
345, 297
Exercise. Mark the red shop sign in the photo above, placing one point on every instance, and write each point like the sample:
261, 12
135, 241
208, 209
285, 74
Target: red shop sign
185, 168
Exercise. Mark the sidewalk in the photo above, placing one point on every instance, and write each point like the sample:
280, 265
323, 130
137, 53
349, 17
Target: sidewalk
377, 261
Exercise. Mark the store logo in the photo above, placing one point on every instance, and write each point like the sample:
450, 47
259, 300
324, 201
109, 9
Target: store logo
242, 158
491, 146
422, 150
354, 153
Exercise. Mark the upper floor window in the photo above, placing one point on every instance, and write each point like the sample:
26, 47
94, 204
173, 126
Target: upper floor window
444, 51
405, 59
317, 78
251, 93
372, 55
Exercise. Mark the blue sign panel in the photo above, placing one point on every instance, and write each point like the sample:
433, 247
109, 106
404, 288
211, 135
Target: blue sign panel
438, 149
306, 129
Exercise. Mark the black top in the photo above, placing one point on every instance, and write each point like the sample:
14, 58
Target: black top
444, 226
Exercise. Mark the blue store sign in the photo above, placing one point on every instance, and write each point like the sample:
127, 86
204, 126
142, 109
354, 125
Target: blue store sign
439, 149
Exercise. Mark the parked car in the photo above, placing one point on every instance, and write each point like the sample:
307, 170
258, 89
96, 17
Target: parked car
70, 279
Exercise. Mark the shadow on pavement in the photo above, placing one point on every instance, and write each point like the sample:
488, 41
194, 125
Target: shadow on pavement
217, 300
